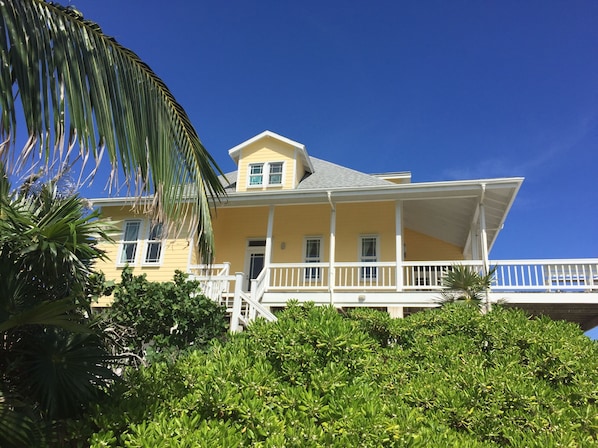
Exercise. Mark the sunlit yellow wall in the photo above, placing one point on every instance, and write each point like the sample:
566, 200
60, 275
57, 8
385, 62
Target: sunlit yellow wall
232, 229
423, 247
292, 224
175, 249
359, 219
267, 150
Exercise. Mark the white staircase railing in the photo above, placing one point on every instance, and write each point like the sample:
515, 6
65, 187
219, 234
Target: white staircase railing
215, 283
245, 310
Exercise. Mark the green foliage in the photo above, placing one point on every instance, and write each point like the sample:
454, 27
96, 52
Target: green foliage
52, 362
464, 284
316, 378
161, 317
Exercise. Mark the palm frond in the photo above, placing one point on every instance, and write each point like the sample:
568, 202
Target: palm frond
79, 87
57, 313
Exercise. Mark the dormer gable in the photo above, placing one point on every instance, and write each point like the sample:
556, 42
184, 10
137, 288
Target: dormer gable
269, 162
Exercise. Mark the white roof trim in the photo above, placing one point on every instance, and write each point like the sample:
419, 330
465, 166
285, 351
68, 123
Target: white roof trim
235, 151
423, 190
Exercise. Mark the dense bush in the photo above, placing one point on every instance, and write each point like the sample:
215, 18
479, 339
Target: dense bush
316, 378
151, 318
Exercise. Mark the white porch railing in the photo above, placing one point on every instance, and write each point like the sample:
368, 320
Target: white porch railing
510, 275
217, 284
546, 275
214, 281
554, 276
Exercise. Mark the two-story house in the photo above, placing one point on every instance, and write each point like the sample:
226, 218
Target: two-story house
296, 227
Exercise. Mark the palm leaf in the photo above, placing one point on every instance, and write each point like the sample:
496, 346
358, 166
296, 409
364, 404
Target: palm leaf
58, 313
78, 86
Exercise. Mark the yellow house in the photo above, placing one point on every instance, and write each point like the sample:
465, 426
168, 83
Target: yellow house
296, 227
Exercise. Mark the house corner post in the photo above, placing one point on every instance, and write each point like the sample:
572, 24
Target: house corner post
484, 245
268, 249
399, 245
331, 256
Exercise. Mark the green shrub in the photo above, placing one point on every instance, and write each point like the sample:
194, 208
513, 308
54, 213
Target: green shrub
159, 318
316, 378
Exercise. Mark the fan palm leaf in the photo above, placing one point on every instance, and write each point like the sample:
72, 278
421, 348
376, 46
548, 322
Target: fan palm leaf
79, 88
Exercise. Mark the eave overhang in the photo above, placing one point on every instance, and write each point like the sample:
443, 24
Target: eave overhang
444, 210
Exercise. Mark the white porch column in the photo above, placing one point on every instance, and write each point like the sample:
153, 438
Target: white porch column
484, 246
399, 244
475, 242
332, 251
268, 248
484, 239
396, 312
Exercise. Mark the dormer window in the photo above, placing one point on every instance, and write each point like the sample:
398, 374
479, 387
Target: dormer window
256, 174
275, 173
272, 171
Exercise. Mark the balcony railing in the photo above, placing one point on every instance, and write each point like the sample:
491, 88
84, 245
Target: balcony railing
509, 275
554, 276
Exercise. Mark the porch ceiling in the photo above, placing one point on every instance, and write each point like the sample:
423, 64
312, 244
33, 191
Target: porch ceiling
451, 219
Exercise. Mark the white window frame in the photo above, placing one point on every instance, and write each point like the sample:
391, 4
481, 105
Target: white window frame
250, 174
124, 242
312, 274
270, 173
266, 174
142, 244
152, 241
368, 273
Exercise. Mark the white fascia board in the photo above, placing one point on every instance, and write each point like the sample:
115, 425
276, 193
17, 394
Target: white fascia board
430, 190
507, 209
424, 190
128, 200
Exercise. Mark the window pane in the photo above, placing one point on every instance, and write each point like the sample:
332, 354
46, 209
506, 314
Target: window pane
312, 255
312, 249
129, 242
369, 255
128, 253
368, 247
275, 173
256, 171
132, 231
153, 252
155, 232
154, 245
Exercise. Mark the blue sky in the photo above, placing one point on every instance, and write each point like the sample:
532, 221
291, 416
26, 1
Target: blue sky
446, 90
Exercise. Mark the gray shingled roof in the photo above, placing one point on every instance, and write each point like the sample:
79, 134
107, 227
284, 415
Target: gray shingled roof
330, 175
325, 175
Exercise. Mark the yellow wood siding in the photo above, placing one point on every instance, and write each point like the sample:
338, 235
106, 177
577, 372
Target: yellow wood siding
264, 151
360, 219
292, 224
421, 247
232, 228
175, 249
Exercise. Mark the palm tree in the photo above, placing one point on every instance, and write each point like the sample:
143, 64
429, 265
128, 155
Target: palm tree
465, 284
79, 88
52, 362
